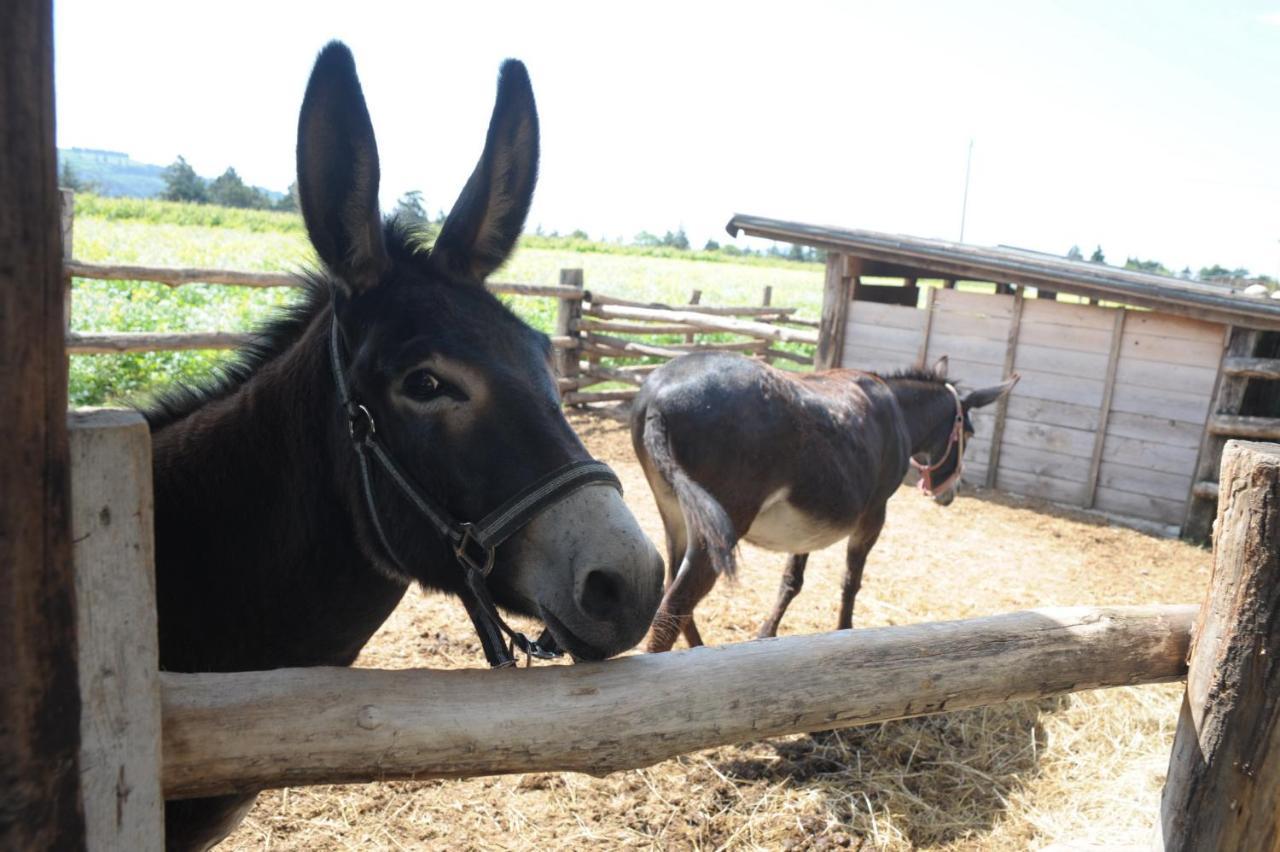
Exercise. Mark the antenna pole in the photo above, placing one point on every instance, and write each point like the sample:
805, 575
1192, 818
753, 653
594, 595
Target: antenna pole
964, 205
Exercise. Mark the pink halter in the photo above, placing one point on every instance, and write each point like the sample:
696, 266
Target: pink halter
927, 488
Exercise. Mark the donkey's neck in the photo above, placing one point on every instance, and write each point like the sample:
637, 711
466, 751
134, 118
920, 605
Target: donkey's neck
924, 405
257, 562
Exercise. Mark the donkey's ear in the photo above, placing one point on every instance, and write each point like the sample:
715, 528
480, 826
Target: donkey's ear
482, 228
338, 171
939, 368
986, 396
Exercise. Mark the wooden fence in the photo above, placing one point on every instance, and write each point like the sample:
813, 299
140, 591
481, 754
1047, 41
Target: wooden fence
181, 735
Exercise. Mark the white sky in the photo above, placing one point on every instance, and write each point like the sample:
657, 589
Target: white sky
1151, 128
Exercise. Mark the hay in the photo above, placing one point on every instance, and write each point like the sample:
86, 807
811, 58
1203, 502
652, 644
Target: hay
1083, 769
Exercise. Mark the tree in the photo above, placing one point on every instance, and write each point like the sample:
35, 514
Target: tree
644, 238
230, 191
289, 201
181, 183
678, 240
796, 253
411, 209
1073, 253
70, 179
579, 234
1097, 256
1155, 267
711, 245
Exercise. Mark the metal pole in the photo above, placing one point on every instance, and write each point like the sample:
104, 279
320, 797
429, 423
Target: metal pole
964, 205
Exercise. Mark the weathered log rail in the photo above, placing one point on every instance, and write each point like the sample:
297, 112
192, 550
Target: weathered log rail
234, 732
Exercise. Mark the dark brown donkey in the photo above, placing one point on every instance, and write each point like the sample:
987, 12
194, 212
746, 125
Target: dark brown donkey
398, 425
793, 462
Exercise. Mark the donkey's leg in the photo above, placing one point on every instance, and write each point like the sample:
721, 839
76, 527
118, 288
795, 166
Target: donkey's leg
695, 579
792, 582
860, 544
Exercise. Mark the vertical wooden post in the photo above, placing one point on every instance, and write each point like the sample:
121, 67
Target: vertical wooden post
767, 299
694, 298
1104, 409
68, 218
839, 289
114, 553
1223, 787
922, 354
1227, 399
568, 317
948, 283
1002, 405
40, 805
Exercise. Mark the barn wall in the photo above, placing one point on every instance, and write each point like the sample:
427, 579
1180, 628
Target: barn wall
1164, 376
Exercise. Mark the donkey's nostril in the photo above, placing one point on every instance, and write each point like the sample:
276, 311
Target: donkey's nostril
601, 595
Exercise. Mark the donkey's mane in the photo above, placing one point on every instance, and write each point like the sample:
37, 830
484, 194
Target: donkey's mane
917, 374
273, 337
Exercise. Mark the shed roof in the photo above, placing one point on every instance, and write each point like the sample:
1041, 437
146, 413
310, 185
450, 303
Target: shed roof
896, 254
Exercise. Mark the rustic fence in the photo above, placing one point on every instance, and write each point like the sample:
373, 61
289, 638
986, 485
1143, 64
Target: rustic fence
599, 339
162, 734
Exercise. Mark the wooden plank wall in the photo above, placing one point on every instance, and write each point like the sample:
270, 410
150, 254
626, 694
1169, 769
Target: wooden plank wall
1161, 384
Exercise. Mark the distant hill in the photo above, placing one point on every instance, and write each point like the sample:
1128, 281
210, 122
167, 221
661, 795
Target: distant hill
116, 174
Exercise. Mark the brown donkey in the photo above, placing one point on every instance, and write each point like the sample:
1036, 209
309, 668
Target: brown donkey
735, 449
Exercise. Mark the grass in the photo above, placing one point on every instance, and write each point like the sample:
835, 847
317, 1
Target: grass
157, 233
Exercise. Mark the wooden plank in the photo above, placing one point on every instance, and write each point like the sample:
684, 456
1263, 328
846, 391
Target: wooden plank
836, 295
1066, 362
67, 226
1006, 371
243, 731
906, 340
1042, 311
1041, 462
1073, 338
1161, 430
1052, 413
1139, 505
1077, 390
1171, 350
969, 374
1161, 457
922, 351
1238, 426
966, 325
975, 304
771, 313
568, 313
1252, 368
1143, 480
874, 360
1044, 487
706, 322
892, 316
114, 558
1161, 376
1104, 408
1183, 328
1158, 402
1227, 399
1224, 780
1072, 442
39, 698
975, 349
1205, 490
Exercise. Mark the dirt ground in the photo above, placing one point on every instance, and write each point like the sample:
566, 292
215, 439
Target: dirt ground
1083, 770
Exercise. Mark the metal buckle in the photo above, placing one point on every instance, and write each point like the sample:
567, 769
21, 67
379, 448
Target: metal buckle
357, 414
467, 560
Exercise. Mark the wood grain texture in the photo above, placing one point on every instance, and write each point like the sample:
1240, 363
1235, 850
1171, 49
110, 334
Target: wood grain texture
1224, 773
39, 697
568, 314
837, 292
226, 732
114, 553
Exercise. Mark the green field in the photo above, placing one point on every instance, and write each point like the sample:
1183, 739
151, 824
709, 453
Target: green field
154, 233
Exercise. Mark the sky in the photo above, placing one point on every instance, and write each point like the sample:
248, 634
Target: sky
1151, 129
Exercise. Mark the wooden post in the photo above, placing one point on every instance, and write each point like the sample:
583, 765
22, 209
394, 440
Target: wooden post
1104, 410
767, 299
1002, 405
39, 691
922, 354
114, 554
568, 316
1223, 787
694, 298
1228, 397
842, 273
68, 218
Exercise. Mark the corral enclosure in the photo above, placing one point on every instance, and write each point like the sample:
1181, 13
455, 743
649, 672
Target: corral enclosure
1126, 393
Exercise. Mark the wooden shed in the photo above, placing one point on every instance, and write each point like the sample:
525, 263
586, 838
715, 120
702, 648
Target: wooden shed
1131, 382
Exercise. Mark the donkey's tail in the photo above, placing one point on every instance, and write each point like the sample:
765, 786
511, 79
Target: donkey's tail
705, 518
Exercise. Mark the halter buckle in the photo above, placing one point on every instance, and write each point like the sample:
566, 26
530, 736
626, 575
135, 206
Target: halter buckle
482, 566
360, 424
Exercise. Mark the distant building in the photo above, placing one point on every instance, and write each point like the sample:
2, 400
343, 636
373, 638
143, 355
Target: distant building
97, 155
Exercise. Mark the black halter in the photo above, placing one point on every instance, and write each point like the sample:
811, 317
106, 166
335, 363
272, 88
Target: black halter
475, 545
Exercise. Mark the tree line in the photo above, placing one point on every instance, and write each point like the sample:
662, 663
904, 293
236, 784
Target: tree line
1215, 273
228, 189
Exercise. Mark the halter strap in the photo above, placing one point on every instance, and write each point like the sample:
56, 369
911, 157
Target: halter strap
956, 438
474, 545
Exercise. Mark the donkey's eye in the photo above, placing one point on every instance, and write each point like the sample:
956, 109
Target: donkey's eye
421, 385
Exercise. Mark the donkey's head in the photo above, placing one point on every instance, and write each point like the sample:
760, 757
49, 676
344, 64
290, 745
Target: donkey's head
940, 457
461, 393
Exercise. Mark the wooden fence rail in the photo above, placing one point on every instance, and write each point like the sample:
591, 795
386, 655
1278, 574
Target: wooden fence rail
237, 732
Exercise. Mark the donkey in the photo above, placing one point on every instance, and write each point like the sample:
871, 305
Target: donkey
735, 449
299, 494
